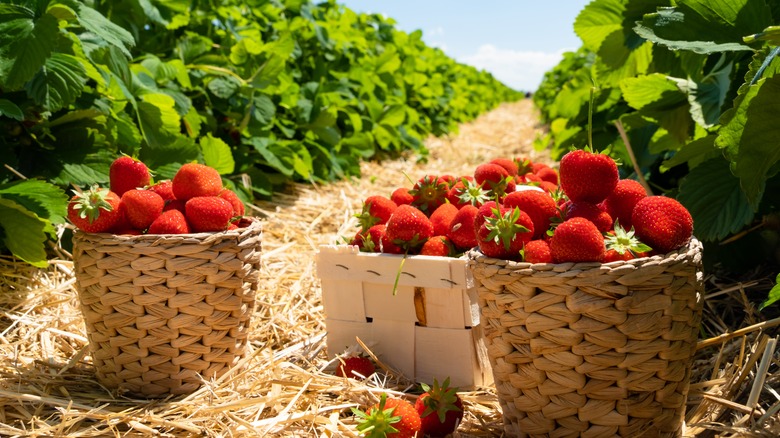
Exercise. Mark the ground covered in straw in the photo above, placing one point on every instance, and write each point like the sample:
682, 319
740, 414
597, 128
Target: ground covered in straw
286, 386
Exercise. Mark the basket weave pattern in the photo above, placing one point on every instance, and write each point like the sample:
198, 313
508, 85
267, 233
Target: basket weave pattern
592, 349
164, 312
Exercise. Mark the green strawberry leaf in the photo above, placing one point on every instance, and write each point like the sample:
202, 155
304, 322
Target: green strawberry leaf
101, 26
24, 233
217, 154
751, 136
158, 119
773, 296
705, 26
40, 197
28, 42
58, 83
10, 110
715, 200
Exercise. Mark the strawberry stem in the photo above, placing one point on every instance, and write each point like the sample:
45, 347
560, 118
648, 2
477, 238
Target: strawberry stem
398, 273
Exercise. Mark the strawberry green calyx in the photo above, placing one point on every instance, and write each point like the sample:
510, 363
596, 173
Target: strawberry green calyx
504, 227
623, 241
441, 399
473, 193
89, 203
429, 193
377, 422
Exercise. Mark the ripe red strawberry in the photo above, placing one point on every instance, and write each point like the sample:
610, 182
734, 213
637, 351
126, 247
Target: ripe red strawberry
95, 210
462, 232
387, 246
402, 196
164, 188
449, 179
234, 200
483, 212
548, 174
540, 206
494, 178
466, 191
620, 203
376, 210
504, 233
408, 227
440, 409
194, 179
662, 222
429, 193
587, 177
390, 418
208, 213
175, 204
577, 240
370, 240
437, 246
548, 187
508, 164
356, 367
531, 177
591, 212
127, 173
537, 251
142, 207
442, 217
169, 222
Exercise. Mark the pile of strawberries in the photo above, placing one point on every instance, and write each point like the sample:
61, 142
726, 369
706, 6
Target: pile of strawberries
519, 210
195, 200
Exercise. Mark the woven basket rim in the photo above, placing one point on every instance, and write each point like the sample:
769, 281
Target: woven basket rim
246, 223
693, 245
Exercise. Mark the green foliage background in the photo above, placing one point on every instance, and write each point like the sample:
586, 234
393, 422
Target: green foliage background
694, 85
265, 91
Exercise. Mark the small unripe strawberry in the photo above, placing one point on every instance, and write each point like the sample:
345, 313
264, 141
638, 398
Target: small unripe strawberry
208, 213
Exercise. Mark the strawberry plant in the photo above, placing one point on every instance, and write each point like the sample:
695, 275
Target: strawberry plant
265, 94
684, 97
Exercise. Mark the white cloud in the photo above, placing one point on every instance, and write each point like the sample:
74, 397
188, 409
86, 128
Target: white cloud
517, 69
436, 31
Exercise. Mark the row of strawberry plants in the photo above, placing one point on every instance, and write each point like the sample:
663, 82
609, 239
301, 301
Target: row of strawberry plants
683, 93
266, 92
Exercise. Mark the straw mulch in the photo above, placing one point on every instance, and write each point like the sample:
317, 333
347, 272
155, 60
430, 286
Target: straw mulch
286, 386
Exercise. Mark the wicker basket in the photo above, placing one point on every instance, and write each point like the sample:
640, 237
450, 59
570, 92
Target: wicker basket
165, 312
592, 349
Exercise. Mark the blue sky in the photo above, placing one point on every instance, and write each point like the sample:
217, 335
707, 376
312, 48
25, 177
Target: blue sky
516, 40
